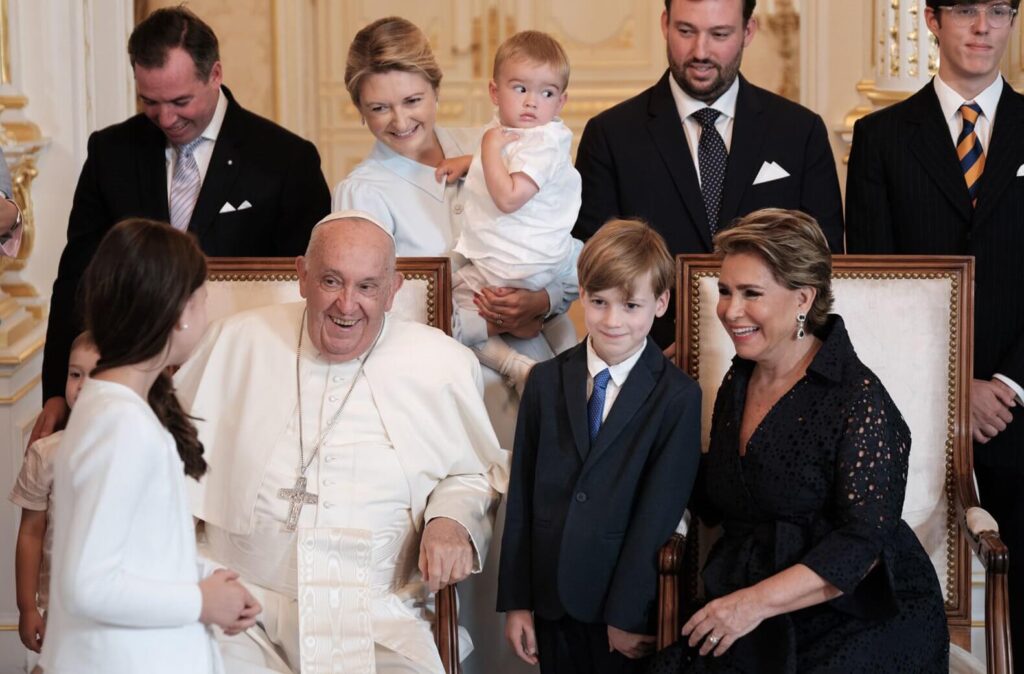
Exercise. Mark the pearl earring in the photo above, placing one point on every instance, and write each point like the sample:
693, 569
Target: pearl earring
801, 320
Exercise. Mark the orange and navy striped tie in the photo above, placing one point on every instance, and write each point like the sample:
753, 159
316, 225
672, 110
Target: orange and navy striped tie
969, 150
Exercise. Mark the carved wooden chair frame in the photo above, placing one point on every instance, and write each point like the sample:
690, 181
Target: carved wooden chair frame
435, 272
968, 526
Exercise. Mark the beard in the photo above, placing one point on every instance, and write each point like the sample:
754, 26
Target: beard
709, 91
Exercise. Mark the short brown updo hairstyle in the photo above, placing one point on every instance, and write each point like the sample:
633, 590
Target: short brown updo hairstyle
793, 246
387, 44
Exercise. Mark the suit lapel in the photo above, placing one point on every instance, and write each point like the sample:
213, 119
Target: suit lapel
574, 388
222, 171
1004, 153
151, 159
929, 140
631, 398
668, 136
748, 136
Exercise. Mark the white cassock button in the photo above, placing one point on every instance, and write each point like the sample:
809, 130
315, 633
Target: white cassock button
333, 399
328, 505
328, 483
329, 459
337, 379
458, 209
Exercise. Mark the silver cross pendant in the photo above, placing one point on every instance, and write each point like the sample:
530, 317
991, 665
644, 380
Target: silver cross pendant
298, 496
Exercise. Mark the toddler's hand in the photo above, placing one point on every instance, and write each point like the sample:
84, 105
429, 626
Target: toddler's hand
450, 170
498, 137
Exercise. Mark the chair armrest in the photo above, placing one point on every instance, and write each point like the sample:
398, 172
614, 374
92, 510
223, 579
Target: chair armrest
982, 533
447, 630
670, 568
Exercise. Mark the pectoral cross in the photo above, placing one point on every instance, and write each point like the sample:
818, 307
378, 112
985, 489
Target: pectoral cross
298, 496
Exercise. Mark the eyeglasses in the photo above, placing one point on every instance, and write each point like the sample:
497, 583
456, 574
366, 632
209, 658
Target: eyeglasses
999, 16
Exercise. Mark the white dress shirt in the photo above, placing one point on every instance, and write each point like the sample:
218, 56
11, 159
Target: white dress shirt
204, 151
686, 105
988, 100
619, 372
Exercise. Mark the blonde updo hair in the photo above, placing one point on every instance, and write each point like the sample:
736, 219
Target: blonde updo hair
387, 44
793, 246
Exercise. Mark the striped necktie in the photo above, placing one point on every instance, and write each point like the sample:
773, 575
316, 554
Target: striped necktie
185, 184
969, 150
595, 407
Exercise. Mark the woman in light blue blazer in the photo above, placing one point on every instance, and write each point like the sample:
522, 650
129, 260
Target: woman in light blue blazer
393, 79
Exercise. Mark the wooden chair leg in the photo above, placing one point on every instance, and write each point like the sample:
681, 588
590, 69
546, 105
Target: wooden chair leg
670, 564
447, 632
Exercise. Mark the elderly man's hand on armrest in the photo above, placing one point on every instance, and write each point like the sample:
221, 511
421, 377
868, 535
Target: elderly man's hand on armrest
446, 553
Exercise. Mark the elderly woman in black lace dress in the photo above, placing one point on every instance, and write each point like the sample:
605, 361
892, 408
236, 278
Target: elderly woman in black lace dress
806, 472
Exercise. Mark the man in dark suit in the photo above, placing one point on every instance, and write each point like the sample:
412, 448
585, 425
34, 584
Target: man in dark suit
650, 157
941, 174
195, 158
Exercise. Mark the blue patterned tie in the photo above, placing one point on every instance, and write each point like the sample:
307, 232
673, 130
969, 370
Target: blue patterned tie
595, 408
969, 150
712, 158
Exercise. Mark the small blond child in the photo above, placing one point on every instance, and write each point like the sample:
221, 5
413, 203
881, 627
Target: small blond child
31, 493
522, 196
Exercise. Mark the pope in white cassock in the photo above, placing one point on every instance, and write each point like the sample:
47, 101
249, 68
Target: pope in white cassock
353, 468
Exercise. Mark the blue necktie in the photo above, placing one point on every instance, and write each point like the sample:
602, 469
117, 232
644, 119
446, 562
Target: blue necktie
595, 408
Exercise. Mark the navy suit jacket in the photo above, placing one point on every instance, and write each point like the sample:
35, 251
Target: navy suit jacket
636, 163
584, 522
906, 195
125, 175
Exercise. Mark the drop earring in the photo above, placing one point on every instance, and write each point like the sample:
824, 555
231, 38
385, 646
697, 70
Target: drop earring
801, 320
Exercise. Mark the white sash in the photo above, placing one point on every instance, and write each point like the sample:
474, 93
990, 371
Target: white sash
335, 626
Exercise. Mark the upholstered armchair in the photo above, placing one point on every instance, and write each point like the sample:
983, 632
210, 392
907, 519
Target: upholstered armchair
237, 284
910, 320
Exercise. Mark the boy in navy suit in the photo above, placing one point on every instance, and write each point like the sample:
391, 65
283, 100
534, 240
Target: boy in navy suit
606, 451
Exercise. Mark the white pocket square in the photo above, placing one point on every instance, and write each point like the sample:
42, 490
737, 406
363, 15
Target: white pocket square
1020, 170
227, 208
244, 205
770, 171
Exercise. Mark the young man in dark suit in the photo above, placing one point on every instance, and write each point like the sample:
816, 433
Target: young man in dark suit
703, 146
942, 173
598, 485
194, 157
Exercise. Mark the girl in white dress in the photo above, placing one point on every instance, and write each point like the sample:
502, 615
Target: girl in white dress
127, 593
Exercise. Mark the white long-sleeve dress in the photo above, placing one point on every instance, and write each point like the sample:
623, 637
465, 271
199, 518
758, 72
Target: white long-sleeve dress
124, 595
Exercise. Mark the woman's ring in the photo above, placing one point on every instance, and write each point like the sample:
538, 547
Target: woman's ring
499, 322
713, 640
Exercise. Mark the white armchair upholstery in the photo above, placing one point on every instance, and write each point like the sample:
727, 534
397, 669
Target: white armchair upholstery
910, 321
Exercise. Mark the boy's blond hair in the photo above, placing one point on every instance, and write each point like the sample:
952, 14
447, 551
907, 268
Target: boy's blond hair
536, 47
622, 251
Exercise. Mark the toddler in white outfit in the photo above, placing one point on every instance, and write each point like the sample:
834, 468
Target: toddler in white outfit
522, 194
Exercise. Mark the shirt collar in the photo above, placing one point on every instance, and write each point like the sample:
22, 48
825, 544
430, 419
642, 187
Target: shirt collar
620, 371
950, 101
415, 173
686, 105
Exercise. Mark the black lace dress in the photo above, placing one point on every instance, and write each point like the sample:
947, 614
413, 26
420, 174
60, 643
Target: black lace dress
821, 484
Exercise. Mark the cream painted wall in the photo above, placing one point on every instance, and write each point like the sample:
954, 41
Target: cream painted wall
244, 29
